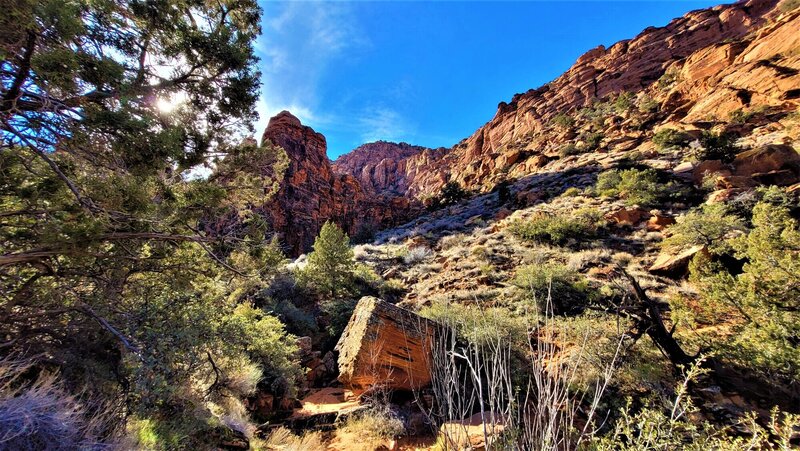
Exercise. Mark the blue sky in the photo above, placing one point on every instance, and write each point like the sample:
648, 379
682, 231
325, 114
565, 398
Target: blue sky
427, 73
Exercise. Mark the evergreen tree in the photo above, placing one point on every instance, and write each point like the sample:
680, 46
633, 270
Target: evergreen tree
451, 193
109, 268
761, 304
330, 265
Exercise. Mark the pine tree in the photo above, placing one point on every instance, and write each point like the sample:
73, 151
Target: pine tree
109, 270
330, 265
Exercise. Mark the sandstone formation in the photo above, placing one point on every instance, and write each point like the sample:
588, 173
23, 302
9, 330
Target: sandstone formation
380, 167
385, 345
675, 264
698, 69
311, 193
696, 73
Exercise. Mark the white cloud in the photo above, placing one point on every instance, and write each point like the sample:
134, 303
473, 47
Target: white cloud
301, 46
301, 41
383, 123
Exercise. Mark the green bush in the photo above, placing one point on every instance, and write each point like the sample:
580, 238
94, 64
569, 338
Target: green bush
667, 424
477, 324
624, 102
667, 80
569, 150
563, 121
669, 137
558, 229
451, 193
708, 225
566, 290
337, 314
759, 305
740, 116
717, 146
637, 187
648, 105
591, 140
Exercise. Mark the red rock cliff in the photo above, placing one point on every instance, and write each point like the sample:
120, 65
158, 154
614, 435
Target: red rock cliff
722, 58
696, 71
311, 193
380, 167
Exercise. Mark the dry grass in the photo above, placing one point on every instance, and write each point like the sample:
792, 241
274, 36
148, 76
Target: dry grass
416, 255
581, 260
368, 431
39, 414
451, 241
285, 440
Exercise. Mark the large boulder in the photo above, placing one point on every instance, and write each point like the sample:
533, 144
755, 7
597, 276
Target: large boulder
627, 216
675, 264
385, 346
768, 159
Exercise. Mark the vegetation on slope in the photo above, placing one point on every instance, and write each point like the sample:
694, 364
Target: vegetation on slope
146, 304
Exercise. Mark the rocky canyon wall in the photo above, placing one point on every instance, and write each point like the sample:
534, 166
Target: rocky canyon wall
695, 72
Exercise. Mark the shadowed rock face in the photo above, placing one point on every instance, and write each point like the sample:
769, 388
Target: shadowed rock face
311, 193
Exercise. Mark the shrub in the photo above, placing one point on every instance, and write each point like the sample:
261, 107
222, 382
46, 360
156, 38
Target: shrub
740, 116
637, 187
451, 241
591, 140
717, 146
572, 191
667, 80
759, 304
392, 288
264, 338
596, 112
557, 229
667, 138
338, 312
416, 254
451, 193
624, 102
508, 360
666, 424
563, 121
369, 430
708, 225
570, 149
331, 264
565, 288
648, 105
366, 275
476, 324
